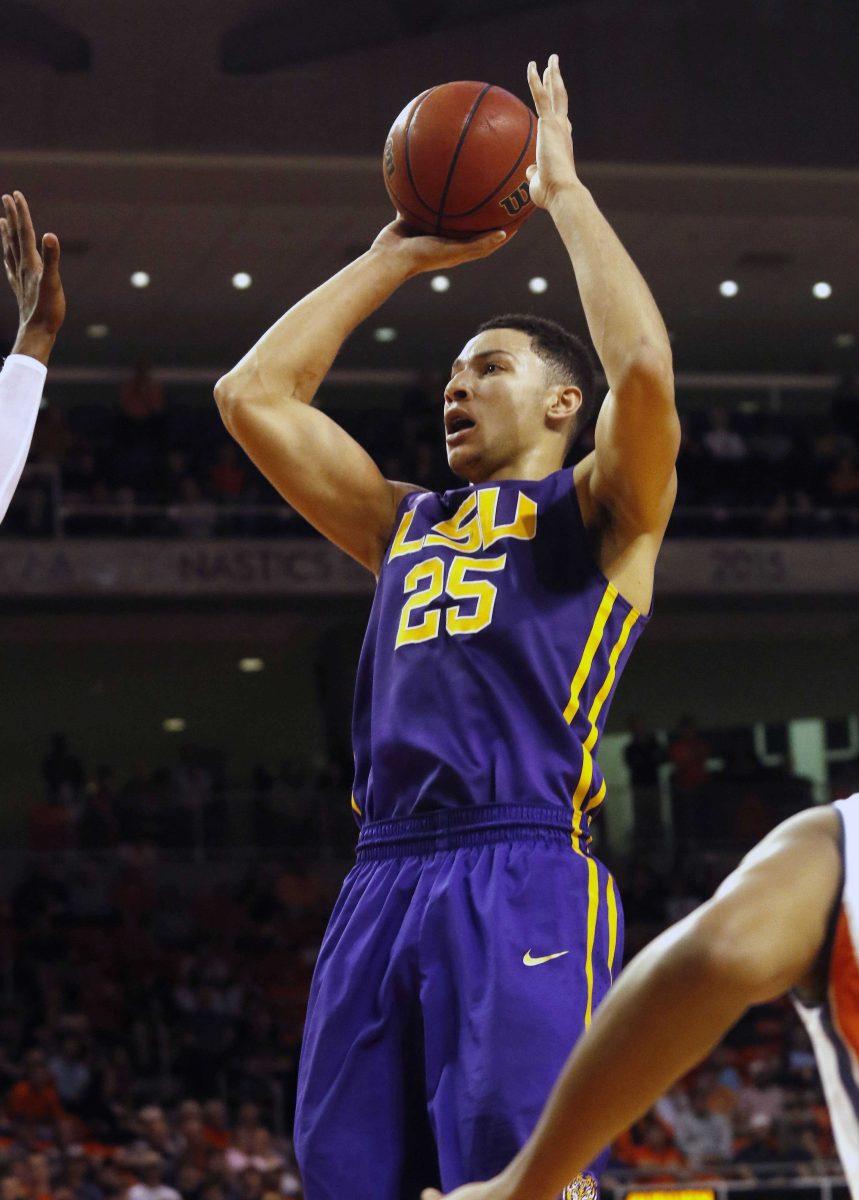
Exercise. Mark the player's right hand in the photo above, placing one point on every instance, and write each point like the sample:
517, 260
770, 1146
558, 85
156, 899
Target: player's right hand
421, 252
33, 277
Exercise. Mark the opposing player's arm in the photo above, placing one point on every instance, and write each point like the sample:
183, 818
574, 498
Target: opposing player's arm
35, 281
638, 432
760, 935
265, 399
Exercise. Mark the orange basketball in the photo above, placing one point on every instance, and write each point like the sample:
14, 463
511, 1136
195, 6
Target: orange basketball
455, 160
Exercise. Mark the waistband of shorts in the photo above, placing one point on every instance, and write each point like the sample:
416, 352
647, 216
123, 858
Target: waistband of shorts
453, 828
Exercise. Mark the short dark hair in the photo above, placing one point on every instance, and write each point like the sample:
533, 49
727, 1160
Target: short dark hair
567, 356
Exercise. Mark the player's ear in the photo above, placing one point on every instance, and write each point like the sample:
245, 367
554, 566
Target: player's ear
564, 403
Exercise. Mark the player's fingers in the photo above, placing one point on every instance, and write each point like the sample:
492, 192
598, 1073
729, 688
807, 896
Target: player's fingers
431, 1194
7, 252
536, 86
25, 226
11, 230
560, 100
51, 253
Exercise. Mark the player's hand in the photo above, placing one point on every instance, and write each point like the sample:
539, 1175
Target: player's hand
493, 1189
419, 252
555, 168
33, 277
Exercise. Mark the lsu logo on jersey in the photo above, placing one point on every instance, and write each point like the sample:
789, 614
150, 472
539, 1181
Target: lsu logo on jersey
472, 528
583, 1187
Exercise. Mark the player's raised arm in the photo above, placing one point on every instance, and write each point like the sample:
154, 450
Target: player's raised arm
265, 399
760, 935
35, 281
638, 432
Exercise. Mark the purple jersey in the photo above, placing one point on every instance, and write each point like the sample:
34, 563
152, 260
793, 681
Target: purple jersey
491, 656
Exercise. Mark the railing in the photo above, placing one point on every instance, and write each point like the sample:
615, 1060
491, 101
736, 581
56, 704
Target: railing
40, 510
821, 1180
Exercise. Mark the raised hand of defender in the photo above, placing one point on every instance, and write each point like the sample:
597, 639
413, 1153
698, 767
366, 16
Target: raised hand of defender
555, 167
421, 252
33, 277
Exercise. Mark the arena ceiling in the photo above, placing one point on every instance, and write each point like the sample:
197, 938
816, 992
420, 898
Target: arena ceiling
193, 141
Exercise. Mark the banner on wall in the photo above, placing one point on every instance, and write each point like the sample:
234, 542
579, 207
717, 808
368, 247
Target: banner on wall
311, 567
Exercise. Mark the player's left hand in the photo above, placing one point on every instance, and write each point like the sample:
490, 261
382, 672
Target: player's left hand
555, 168
33, 277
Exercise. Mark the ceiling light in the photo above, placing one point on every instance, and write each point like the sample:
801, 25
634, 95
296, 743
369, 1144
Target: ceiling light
173, 724
440, 283
97, 331
844, 341
538, 285
822, 290
729, 287
140, 279
385, 333
242, 280
249, 665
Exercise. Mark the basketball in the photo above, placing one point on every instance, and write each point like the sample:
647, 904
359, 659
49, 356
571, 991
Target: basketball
455, 160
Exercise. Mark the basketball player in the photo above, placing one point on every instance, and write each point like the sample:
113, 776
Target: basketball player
476, 935
35, 280
786, 919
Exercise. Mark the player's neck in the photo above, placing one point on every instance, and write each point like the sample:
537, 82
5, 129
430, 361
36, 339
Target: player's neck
531, 464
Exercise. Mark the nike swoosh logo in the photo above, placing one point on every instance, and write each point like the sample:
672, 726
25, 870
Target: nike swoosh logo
530, 961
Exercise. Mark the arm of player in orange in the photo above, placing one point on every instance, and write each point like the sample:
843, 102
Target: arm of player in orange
265, 399
638, 431
760, 935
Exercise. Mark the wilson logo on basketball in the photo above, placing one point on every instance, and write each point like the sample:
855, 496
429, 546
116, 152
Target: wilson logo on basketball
389, 157
517, 200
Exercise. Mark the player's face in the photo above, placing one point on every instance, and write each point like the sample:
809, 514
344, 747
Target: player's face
494, 403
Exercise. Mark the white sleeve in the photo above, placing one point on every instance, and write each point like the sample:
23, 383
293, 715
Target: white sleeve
21, 383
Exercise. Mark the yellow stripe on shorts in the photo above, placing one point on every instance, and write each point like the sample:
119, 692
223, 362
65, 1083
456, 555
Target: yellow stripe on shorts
611, 905
593, 913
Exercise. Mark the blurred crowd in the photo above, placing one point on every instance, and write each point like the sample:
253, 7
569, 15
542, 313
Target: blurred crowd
155, 465
756, 1101
152, 1001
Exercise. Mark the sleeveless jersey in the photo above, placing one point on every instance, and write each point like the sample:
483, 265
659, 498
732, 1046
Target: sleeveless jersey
491, 656
833, 1026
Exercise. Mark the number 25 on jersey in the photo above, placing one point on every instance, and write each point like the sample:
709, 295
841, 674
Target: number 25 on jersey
425, 583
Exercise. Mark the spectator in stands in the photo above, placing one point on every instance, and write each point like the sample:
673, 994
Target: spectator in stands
842, 482
152, 1186
762, 1098
33, 1103
192, 515
703, 1137
215, 1124
649, 1144
71, 1071
756, 1142
51, 438
228, 477
141, 406
98, 824
688, 751
643, 756
62, 771
77, 1177
721, 441
156, 1138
